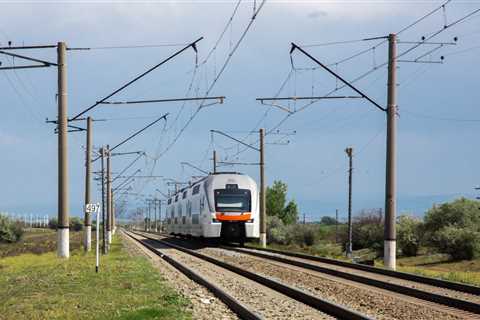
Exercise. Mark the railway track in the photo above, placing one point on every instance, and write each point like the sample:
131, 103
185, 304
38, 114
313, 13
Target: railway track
460, 287
323, 309
383, 282
451, 301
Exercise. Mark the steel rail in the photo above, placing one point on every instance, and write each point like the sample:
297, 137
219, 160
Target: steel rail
456, 286
237, 307
412, 292
317, 303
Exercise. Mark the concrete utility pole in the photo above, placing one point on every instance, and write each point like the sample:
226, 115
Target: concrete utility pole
349, 152
149, 214
336, 225
109, 196
155, 211
390, 244
144, 219
63, 237
114, 228
160, 214
214, 161
104, 225
263, 198
87, 238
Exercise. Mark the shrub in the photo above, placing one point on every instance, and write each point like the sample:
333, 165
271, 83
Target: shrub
461, 213
460, 243
10, 231
276, 230
409, 235
367, 231
328, 220
76, 224
302, 234
53, 223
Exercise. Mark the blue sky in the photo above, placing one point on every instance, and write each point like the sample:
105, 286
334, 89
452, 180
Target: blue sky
437, 127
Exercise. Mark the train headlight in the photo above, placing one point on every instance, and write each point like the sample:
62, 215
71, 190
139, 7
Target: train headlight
250, 221
215, 220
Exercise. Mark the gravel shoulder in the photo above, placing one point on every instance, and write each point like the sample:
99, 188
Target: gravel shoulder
204, 305
267, 302
378, 303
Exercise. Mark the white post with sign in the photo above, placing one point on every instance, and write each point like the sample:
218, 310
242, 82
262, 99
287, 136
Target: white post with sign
95, 208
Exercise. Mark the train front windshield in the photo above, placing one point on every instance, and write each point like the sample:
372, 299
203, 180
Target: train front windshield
232, 200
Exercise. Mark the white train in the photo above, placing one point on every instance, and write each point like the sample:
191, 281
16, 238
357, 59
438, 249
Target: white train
221, 205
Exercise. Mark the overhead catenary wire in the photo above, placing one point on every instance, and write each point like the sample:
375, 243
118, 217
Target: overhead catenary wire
140, 46
129, 166
208, 88
399, 55
376, 67
214, 82
136, 133
193, 45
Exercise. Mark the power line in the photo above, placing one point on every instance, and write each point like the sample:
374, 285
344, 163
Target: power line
341, 42
385, 63
223, 33
129, 46
212, 85
361, 52
193, 45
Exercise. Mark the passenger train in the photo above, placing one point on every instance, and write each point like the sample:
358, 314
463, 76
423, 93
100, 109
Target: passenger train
223, 205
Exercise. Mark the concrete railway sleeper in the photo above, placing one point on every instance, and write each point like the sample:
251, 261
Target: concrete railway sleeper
322, 305
461, 287
310, 286
428, 296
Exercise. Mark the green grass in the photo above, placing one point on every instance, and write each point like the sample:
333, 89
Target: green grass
38, 241
440, 266
322, 249
45, 287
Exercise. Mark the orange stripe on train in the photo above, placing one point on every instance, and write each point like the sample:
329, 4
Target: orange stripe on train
243, 217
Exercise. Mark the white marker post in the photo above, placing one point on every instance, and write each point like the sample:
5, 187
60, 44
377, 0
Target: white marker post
95, 208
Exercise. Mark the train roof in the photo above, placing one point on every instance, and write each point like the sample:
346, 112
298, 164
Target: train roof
200, 180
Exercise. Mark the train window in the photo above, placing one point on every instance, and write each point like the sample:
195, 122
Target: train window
196, 189
236, 200
231, 186
176, 198
184, 194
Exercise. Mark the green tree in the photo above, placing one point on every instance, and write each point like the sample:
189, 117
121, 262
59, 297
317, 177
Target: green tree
454, 228
328, 220
10, 231
276, 198
409, 235
289, 214
459, 243
276, 203
460, 213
